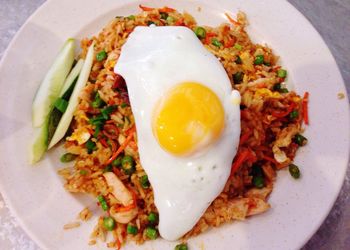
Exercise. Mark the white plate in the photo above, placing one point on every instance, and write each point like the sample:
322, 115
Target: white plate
36, 194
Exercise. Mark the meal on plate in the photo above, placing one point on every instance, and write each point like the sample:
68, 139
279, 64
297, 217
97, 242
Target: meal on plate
173, 127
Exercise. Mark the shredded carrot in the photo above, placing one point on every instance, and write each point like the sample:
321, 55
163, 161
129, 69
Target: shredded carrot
229, 43
281, 114
166, 10
145, 8
133, 145
305, 108
113, 145
208, 37
116, 171
272, 160
233, 21
245, 114
104, 143
123, 146
179, 22
242, 156
118, 244
245, 137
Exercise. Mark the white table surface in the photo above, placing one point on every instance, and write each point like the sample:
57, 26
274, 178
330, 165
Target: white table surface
330, 17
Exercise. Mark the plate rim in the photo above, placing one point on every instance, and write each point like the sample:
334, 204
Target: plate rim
42, 7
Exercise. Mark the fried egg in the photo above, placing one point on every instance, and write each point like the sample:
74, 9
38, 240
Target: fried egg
187, 119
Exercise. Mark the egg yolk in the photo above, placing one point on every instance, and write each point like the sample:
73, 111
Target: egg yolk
189, 117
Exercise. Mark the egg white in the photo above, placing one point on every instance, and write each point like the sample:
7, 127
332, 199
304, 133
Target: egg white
152, 61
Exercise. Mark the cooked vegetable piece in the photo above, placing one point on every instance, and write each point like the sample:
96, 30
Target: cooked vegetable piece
294, 171
300, 140
90, 146
282, 73
49, 90
294, 114
151, 233
259, 59
128, 165
170, 20
200, 32
68, 157
182, 246
164, 15
109, 223
83, 172
118, 161
278, 87
153, 218
97, 102
101, 55
131, 17
238, 60
131, 229
216, 42
238, 46
238, 77
108, 168
144, 181
102, 202
61, 104
73, 100
258, 181
107, 111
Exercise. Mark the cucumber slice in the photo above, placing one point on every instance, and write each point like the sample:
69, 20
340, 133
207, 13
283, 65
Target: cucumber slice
67, 117
39, 145
52, 84
71, 77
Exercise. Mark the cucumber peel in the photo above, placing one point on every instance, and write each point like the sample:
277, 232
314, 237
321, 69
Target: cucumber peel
67, 116
52, 84
39, 146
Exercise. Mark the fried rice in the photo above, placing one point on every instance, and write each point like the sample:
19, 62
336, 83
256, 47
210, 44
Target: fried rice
271, 118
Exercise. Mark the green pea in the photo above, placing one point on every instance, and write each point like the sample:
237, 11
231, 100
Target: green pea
128, 165
130, 229
170, 20
258, 181
151, 233
294, 114
109, 223
300, 140
68, 157
83, 172
182, 246
117, 161
238, 46
216, 42
102, 202
278, 87
238, 77
101, 55
144, 181
259, 59
200, 32
282, 73
153, 218
294, 171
